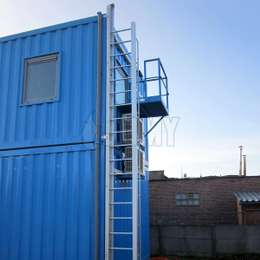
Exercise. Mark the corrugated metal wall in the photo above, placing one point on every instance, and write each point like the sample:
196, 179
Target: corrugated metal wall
145, 219
47, 194
47, 205
72, 118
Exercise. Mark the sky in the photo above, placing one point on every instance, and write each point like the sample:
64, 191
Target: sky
211, 52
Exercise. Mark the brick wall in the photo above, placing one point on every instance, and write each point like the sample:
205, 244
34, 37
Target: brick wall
217, 201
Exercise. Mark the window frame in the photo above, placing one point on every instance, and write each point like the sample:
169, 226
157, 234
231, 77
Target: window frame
187, 194
39, 59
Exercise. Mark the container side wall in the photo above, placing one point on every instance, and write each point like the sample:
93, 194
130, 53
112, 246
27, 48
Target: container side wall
70, 119
47, 206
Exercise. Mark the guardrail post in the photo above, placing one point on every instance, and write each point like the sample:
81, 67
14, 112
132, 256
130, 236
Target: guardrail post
159, 74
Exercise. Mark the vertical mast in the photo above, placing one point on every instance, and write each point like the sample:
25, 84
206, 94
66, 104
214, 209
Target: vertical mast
244, 162
240, 159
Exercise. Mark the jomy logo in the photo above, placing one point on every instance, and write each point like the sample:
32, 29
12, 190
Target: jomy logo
164, 134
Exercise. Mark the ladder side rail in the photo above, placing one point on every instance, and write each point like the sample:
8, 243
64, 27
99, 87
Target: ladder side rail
134, 144
138, 91
110, 18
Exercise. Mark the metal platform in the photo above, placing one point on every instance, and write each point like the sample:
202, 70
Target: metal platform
153, 91
153, 106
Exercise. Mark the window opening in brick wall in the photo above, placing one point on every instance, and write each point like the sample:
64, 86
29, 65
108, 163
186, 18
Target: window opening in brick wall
187, 199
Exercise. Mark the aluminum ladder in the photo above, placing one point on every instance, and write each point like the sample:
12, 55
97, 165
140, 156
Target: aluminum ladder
121, 224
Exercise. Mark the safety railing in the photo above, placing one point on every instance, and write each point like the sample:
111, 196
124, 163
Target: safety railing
155, 82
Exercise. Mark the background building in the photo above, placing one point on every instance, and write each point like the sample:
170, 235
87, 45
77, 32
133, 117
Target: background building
201, 217
198, 201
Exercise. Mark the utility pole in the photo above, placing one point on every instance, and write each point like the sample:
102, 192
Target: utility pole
182, 172
244, 162
240, 162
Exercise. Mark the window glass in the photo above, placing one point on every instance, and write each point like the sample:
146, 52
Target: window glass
41, 79
187, 199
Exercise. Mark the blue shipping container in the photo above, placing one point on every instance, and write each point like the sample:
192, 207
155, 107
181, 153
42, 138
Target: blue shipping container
52, 158
47, 204
71, 118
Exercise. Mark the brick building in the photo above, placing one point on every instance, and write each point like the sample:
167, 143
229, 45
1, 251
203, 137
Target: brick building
198, 201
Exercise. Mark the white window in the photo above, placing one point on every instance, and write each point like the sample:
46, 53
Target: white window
187, 199
41, 79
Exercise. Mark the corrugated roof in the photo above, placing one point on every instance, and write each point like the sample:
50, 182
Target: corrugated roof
248, 197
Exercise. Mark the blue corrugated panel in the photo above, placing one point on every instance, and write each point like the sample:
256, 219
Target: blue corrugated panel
47, 194
72, 118
145, 220
47, 205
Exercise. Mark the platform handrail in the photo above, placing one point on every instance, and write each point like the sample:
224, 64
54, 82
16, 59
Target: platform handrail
161, 77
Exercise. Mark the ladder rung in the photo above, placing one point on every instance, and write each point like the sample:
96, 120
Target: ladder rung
121, 54
121, 218
121, 145
115, 80
121, 248
122, 131
120, 233
151, 79
123, 104
120, 118
121, 203
121, 66
122, 173
121, 159
140, 173
120, 42
121, 30
121, 188
120, 92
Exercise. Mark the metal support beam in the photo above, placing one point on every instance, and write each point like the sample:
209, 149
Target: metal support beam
151, 129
